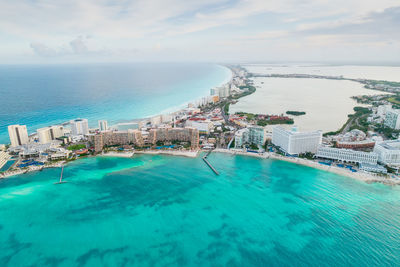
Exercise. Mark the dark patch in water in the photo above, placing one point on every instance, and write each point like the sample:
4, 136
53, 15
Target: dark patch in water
96, 253
15, 246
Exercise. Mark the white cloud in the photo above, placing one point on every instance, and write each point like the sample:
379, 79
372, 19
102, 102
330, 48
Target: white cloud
140, 27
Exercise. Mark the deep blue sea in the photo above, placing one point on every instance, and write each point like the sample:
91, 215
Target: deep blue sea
40, 95
173, 211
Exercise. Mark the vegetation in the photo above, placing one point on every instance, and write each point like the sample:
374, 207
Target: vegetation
295, 113
385, 83
249, 90
307, 155
388, 132
253, 147
226, 108
358, 121
77, 147
273, 122
249, 116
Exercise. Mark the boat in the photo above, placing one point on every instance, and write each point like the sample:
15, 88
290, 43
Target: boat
61, 176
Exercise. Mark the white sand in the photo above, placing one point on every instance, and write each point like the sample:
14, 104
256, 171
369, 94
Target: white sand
360, 175
118, 154
184, 153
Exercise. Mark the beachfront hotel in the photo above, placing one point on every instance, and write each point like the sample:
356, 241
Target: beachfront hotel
103, 125
347, 155
18, 135
388, 152
187, 134
48, 134
250, 135
293, 142
79, 127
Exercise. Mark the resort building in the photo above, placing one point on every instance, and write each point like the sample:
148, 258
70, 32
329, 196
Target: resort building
347, 155
204, 126
186, 134
241, 137
372, 168
116, 138
356, 145
294, 143
48, 134
388, 152
79, 127
392, 119
256, 135
18, 135
4, 157
103, 125
98, 143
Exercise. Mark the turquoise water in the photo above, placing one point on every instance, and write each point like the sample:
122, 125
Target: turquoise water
173, 211
41, 95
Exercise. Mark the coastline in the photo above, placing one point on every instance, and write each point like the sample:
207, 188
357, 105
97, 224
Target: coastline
361, 176
8, 174
183, 153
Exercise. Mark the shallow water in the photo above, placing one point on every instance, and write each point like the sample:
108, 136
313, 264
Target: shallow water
164, 210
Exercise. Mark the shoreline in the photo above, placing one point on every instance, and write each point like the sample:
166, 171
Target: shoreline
182, 153
360, 175
30, 169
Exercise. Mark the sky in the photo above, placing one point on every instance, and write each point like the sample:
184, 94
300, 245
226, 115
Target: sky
58, 31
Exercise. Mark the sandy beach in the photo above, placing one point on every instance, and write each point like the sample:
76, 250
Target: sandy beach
184, 153
117, 154
360, 175
6, 174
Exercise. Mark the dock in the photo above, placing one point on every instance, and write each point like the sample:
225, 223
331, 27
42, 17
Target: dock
209, 164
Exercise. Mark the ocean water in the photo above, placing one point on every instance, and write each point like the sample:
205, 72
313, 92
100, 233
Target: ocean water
173, 211
326, 102
40, 95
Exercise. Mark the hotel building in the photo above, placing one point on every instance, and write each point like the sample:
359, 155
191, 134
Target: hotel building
347, 155
103, 125
4, 157
48, 134
116, 138
293, 143
18, 135
388, 152
256, 135
241, 137
79, 127
186, 134
392, 119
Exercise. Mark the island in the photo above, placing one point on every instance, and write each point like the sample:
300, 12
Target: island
295, 113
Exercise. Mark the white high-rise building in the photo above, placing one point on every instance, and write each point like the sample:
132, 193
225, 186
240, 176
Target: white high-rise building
80, 127
241, 137
294, 143
47, 134
392, 119
256, 135
388, 152
103, 125
18, 135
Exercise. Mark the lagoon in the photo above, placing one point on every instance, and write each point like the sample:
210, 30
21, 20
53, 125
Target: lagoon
326, 102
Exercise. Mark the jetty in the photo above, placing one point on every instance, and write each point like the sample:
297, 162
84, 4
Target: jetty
209, 164
61, 176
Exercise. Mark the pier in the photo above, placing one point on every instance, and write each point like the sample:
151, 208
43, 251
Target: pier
209, 164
